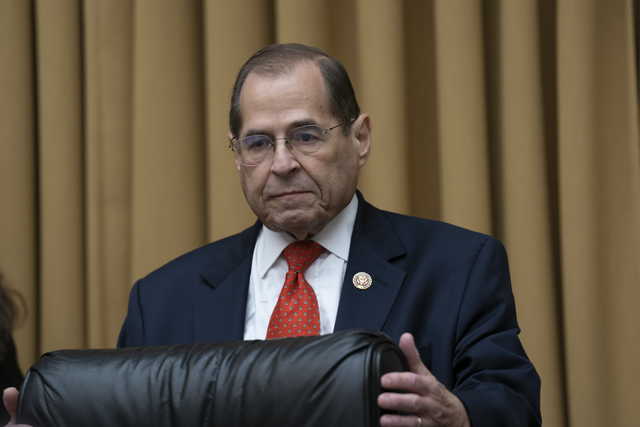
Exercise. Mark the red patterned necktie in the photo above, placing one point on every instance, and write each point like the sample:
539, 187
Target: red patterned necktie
296, 312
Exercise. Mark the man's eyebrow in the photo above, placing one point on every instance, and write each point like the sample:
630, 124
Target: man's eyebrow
257, 132
302, 122
292, 125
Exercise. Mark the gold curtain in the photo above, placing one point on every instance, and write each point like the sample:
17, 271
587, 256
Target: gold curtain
517, 118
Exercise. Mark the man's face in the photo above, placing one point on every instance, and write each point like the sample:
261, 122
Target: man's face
293, 192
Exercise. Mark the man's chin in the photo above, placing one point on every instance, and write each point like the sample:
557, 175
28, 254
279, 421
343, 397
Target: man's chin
299, 224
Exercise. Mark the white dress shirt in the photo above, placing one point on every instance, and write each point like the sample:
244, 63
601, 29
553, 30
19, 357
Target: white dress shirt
325, 275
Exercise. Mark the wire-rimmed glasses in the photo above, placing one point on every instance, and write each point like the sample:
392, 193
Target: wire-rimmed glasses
253, 149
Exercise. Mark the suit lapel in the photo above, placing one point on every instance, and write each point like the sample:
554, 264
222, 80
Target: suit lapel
221, 299
374, 246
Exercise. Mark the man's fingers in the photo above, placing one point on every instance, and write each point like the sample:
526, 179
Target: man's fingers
410, 382
424, 400
403, 421
408, 347
408, 403
10, 399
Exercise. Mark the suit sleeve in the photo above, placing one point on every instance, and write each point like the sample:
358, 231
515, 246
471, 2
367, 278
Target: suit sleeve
495, 380
132, 332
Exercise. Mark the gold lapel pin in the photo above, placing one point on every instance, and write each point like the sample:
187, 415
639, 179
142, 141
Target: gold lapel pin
362, 280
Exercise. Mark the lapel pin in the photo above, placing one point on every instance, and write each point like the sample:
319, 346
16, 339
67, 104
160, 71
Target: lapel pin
362, 280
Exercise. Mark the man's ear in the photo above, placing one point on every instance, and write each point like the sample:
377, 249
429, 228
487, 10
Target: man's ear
361, 129
236, 158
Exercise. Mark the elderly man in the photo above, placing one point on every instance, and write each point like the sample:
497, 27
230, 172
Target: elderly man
299, 141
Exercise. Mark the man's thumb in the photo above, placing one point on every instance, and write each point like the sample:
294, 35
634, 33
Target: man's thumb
10, 399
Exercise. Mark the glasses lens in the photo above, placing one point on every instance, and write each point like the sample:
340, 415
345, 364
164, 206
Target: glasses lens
307, 139
254, 148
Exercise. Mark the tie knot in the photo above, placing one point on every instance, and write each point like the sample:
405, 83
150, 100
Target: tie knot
301, 254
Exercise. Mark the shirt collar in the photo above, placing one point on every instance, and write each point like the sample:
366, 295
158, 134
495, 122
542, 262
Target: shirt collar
335, 237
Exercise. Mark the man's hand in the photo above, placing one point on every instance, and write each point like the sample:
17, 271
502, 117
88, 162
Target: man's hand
424, 400
10, 399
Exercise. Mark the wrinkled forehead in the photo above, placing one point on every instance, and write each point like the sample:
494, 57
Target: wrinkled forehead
270, 100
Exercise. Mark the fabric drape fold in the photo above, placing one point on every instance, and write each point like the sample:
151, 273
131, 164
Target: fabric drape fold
60, 169
18, 188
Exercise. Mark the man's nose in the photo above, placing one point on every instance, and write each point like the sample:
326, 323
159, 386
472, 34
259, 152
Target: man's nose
284, 162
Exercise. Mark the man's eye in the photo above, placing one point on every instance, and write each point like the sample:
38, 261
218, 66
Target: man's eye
256, 142
306, 136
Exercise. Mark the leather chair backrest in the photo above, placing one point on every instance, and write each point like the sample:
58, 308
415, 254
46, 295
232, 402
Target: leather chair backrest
325, 381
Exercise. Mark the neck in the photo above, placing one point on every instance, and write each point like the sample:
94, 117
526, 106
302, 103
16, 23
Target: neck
301, 236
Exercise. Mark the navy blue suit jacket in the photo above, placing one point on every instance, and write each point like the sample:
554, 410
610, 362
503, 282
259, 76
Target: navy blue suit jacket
448, 286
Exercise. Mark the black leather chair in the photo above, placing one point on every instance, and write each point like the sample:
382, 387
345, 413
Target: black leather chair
328, 381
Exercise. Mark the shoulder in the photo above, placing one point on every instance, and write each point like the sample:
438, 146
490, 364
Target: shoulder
205, 261
431, 244
420, 233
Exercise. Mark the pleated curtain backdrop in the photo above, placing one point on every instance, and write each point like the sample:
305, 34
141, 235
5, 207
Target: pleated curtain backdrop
517, 118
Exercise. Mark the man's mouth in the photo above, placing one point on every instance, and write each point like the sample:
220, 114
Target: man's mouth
287, 194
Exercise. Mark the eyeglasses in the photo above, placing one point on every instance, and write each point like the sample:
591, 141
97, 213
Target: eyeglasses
254, 149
